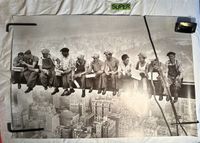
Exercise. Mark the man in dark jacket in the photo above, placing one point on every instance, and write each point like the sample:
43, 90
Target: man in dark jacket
31, 70
17, 62
47, 68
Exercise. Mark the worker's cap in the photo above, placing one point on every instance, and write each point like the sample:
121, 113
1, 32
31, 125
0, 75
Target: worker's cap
80, 56
142, 55
108, 53
28, 52
124, 57
171, 53
45, 51
64, 50
95, 56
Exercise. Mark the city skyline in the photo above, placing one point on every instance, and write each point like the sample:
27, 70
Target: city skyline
99, 116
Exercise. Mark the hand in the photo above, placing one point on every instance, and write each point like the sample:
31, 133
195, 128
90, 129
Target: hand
36, 70
147, 76
66, 71
178, 78
107, 73
178, 83
99, 72
78, 75
142, 74
112, 72
169, 81
22, 62
129, 74
45, 71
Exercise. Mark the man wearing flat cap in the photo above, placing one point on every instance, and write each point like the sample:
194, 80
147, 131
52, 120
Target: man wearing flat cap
31, 70
47, 69
80, 72
96, 67
67, 66
174, 73
110, 72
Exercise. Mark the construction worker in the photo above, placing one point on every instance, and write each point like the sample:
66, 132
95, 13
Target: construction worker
110, 72
17, 63
47, 68
142, 67
80, 71
67, 67
158, 67
125, 67
174, 73
124, 71
96, 67
31, 70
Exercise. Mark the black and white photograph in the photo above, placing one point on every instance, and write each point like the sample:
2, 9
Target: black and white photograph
86, 76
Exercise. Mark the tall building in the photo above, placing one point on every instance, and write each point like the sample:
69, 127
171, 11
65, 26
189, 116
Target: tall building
99, 130
94, 107
100, 109
74, 107
64, 102
52, 122
109, 129
56, 101
66, 132
106, 108
68, 118
82, 108
87, 119
116, 118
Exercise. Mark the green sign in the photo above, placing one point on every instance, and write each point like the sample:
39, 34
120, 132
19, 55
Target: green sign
121, 6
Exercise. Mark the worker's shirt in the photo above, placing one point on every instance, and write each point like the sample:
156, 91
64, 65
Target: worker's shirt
97, 66
141, 68
125, 69
31, 60
16, 62
48, 63
80, 66
111, 65
174, 69
67, 63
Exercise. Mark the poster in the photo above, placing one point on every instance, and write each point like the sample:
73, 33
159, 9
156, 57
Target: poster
91, 77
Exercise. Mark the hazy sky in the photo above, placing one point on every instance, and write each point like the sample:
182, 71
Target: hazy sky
94, 34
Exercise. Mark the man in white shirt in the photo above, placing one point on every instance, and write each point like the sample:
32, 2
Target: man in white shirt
124, 70
67, 66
